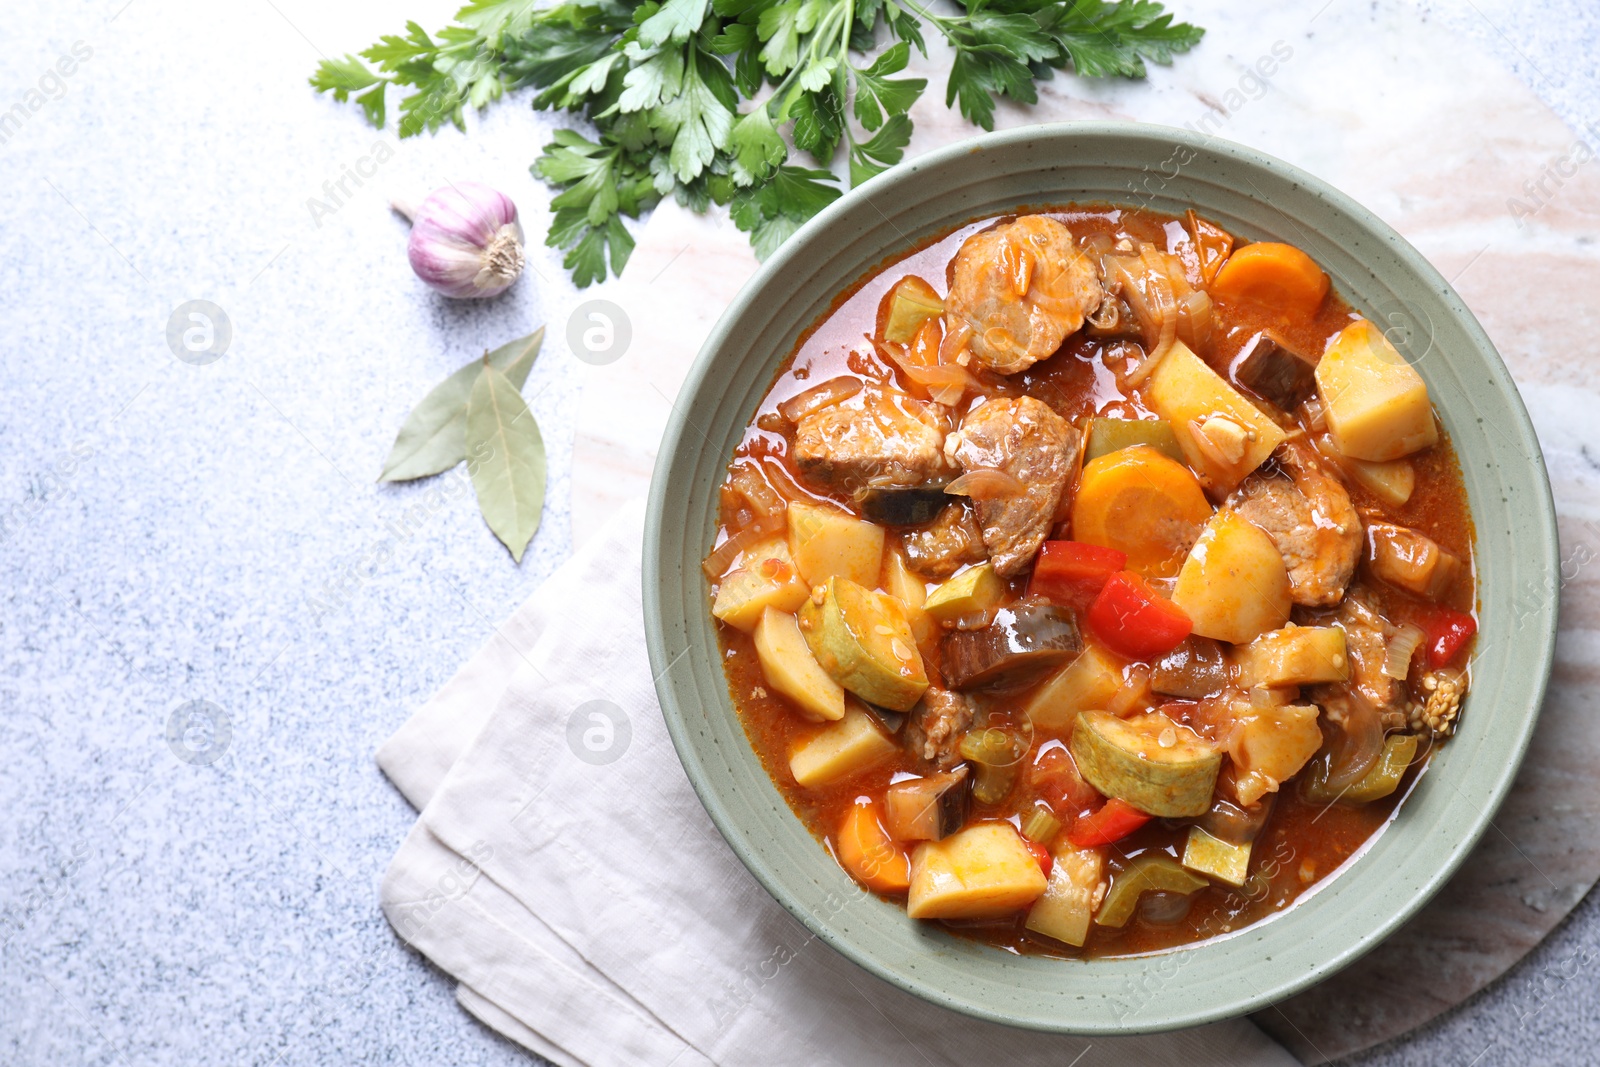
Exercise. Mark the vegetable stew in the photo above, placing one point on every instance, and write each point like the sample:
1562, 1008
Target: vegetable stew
1094, 581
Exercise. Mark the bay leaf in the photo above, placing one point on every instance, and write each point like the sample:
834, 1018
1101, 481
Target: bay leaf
434, 437
505, 458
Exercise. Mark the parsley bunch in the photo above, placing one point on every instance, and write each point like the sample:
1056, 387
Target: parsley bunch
661, 83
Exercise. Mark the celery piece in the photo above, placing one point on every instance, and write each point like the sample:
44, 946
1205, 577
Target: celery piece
1113, 435
1154, 873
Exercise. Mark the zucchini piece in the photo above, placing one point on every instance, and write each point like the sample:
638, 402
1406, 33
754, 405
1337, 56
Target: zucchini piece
1216, 858
1153, 873
1382, 779
1113, 435
927, 809
912, 302
1294, 655
973, 590
864, 640
1085, 684
791, 669
1067, 906
849, 746
1160, 767
901, 505
824, 542
982, 872
1026, 639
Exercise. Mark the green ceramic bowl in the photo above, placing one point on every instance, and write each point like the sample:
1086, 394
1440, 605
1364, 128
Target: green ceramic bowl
1376, 270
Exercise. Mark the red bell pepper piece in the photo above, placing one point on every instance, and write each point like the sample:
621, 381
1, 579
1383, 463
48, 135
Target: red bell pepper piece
1073, 572
1042, 856
1447, 632
1135, 620
1116, 820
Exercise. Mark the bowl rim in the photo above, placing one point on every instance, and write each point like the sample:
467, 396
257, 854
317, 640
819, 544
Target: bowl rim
798, 245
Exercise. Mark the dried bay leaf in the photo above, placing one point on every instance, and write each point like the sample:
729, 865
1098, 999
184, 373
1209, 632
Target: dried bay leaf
505, 458
434, 437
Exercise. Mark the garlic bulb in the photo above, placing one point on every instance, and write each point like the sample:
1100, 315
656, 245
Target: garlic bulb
465, 240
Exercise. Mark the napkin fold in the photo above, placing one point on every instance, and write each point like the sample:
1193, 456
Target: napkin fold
565, 873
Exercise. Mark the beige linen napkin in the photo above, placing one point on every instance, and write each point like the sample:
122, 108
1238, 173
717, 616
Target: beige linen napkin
564, 871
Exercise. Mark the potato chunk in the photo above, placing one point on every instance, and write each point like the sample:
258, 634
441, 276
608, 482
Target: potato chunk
1376, 404
1270, 745
1201, 404
825, 542
1076, 885
849, 746
765, 577
1085, 684
1234, 585
791, 669
981, 872
1295, 655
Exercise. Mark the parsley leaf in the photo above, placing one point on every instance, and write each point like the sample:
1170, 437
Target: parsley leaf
660, 83
881, 152
878, 95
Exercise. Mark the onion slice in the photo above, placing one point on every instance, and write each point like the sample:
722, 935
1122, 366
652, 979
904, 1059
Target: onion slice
1397, 656
722, 557
1357, 744
986, 484
819, 396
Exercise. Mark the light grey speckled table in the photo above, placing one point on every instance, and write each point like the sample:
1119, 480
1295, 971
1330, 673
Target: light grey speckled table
173, 533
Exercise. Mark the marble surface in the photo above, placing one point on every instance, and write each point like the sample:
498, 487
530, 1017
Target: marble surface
176, 533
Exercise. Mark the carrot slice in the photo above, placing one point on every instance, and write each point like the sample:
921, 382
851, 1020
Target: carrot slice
1277, 275
866, 851
1142, 502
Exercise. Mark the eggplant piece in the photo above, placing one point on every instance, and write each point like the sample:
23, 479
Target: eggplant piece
901, 505
1272, 370
1411, 560
1025, 640
1234, 823
1196, 668
891, 721
927, 809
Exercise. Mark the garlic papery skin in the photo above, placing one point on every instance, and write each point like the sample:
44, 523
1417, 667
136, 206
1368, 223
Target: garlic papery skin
465, 240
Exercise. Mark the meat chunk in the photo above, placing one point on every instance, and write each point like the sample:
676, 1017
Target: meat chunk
1366, 642
935, 728
1311, 522
1018, 290
950, 541
885, 438
1036, 447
